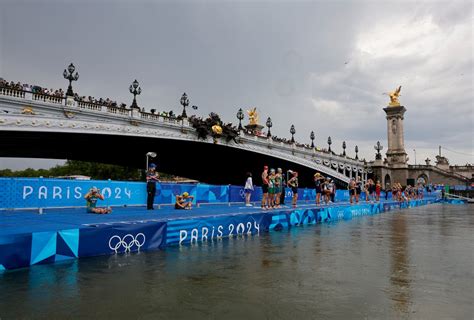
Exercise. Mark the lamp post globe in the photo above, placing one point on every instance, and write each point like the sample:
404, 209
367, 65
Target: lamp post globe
149, 155
292, 131
71, 68
269, 124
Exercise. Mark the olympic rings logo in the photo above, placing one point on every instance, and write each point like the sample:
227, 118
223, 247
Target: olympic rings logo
127, 242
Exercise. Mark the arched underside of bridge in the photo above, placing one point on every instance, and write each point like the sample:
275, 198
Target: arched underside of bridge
209, 163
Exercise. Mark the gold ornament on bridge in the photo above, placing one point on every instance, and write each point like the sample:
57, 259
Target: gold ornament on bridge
253, 116
394, 97
28, 110
69, 114
217, 129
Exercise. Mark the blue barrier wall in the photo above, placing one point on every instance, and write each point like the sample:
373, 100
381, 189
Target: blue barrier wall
25, 249
45, 193
50, 193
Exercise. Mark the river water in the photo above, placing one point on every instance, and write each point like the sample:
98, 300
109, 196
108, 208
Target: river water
411, 264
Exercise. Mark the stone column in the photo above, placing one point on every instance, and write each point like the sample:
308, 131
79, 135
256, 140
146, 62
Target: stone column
396, 155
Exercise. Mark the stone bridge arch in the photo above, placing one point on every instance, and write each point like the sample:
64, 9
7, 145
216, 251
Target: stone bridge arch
422, 178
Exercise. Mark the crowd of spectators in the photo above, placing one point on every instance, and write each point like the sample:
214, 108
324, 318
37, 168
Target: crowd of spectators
87, 99
285, 140
31, 88
58, 93
300, 145
101, 101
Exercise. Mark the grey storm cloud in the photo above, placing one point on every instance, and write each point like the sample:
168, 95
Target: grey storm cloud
321, 66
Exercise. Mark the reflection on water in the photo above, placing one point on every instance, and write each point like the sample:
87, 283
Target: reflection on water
400, 277
410, 264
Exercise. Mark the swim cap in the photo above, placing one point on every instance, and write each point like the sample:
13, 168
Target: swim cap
152, 165
185, 194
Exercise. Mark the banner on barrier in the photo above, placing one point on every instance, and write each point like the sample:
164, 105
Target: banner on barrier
119, 238
204, 229
44, 193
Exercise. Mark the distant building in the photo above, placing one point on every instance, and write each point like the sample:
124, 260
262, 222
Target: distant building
74, 177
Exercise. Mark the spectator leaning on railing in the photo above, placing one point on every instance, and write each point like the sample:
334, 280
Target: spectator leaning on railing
30, 88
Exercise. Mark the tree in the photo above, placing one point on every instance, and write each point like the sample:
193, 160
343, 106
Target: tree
94, 170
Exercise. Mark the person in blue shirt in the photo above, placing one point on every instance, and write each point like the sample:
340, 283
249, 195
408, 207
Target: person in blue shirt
151, 178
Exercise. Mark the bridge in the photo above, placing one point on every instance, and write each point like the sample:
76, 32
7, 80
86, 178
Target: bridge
36, 125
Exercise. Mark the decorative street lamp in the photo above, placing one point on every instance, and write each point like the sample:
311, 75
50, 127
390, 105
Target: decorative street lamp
311, 136
269, 125
344, 148
292, 131
71, 78
135, 89
150, 155
357, 151
240, 116
378, 147
329, 143
184, 102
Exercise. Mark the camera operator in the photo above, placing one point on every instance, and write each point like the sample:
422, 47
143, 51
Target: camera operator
91, 200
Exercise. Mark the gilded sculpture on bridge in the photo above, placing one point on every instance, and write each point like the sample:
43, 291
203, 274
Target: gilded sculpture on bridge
394, 97
28, 110
253, 116
217, 129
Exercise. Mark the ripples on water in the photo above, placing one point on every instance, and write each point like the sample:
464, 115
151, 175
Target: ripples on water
415, 263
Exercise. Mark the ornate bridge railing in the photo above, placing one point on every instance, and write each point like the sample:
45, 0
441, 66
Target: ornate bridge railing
12, 92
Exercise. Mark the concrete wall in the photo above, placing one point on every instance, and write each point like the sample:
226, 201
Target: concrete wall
431, 175
435, 176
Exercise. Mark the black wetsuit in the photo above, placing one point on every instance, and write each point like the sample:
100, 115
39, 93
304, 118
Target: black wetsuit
150, 190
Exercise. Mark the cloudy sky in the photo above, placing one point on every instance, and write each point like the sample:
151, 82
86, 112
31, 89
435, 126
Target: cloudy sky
320, 65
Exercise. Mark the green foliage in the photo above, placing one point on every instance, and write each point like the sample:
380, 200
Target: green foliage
94, 170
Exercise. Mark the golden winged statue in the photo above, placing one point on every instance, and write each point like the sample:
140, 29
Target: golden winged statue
253, 116
394, 97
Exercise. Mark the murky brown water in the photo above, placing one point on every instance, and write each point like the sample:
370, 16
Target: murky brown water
410, 264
